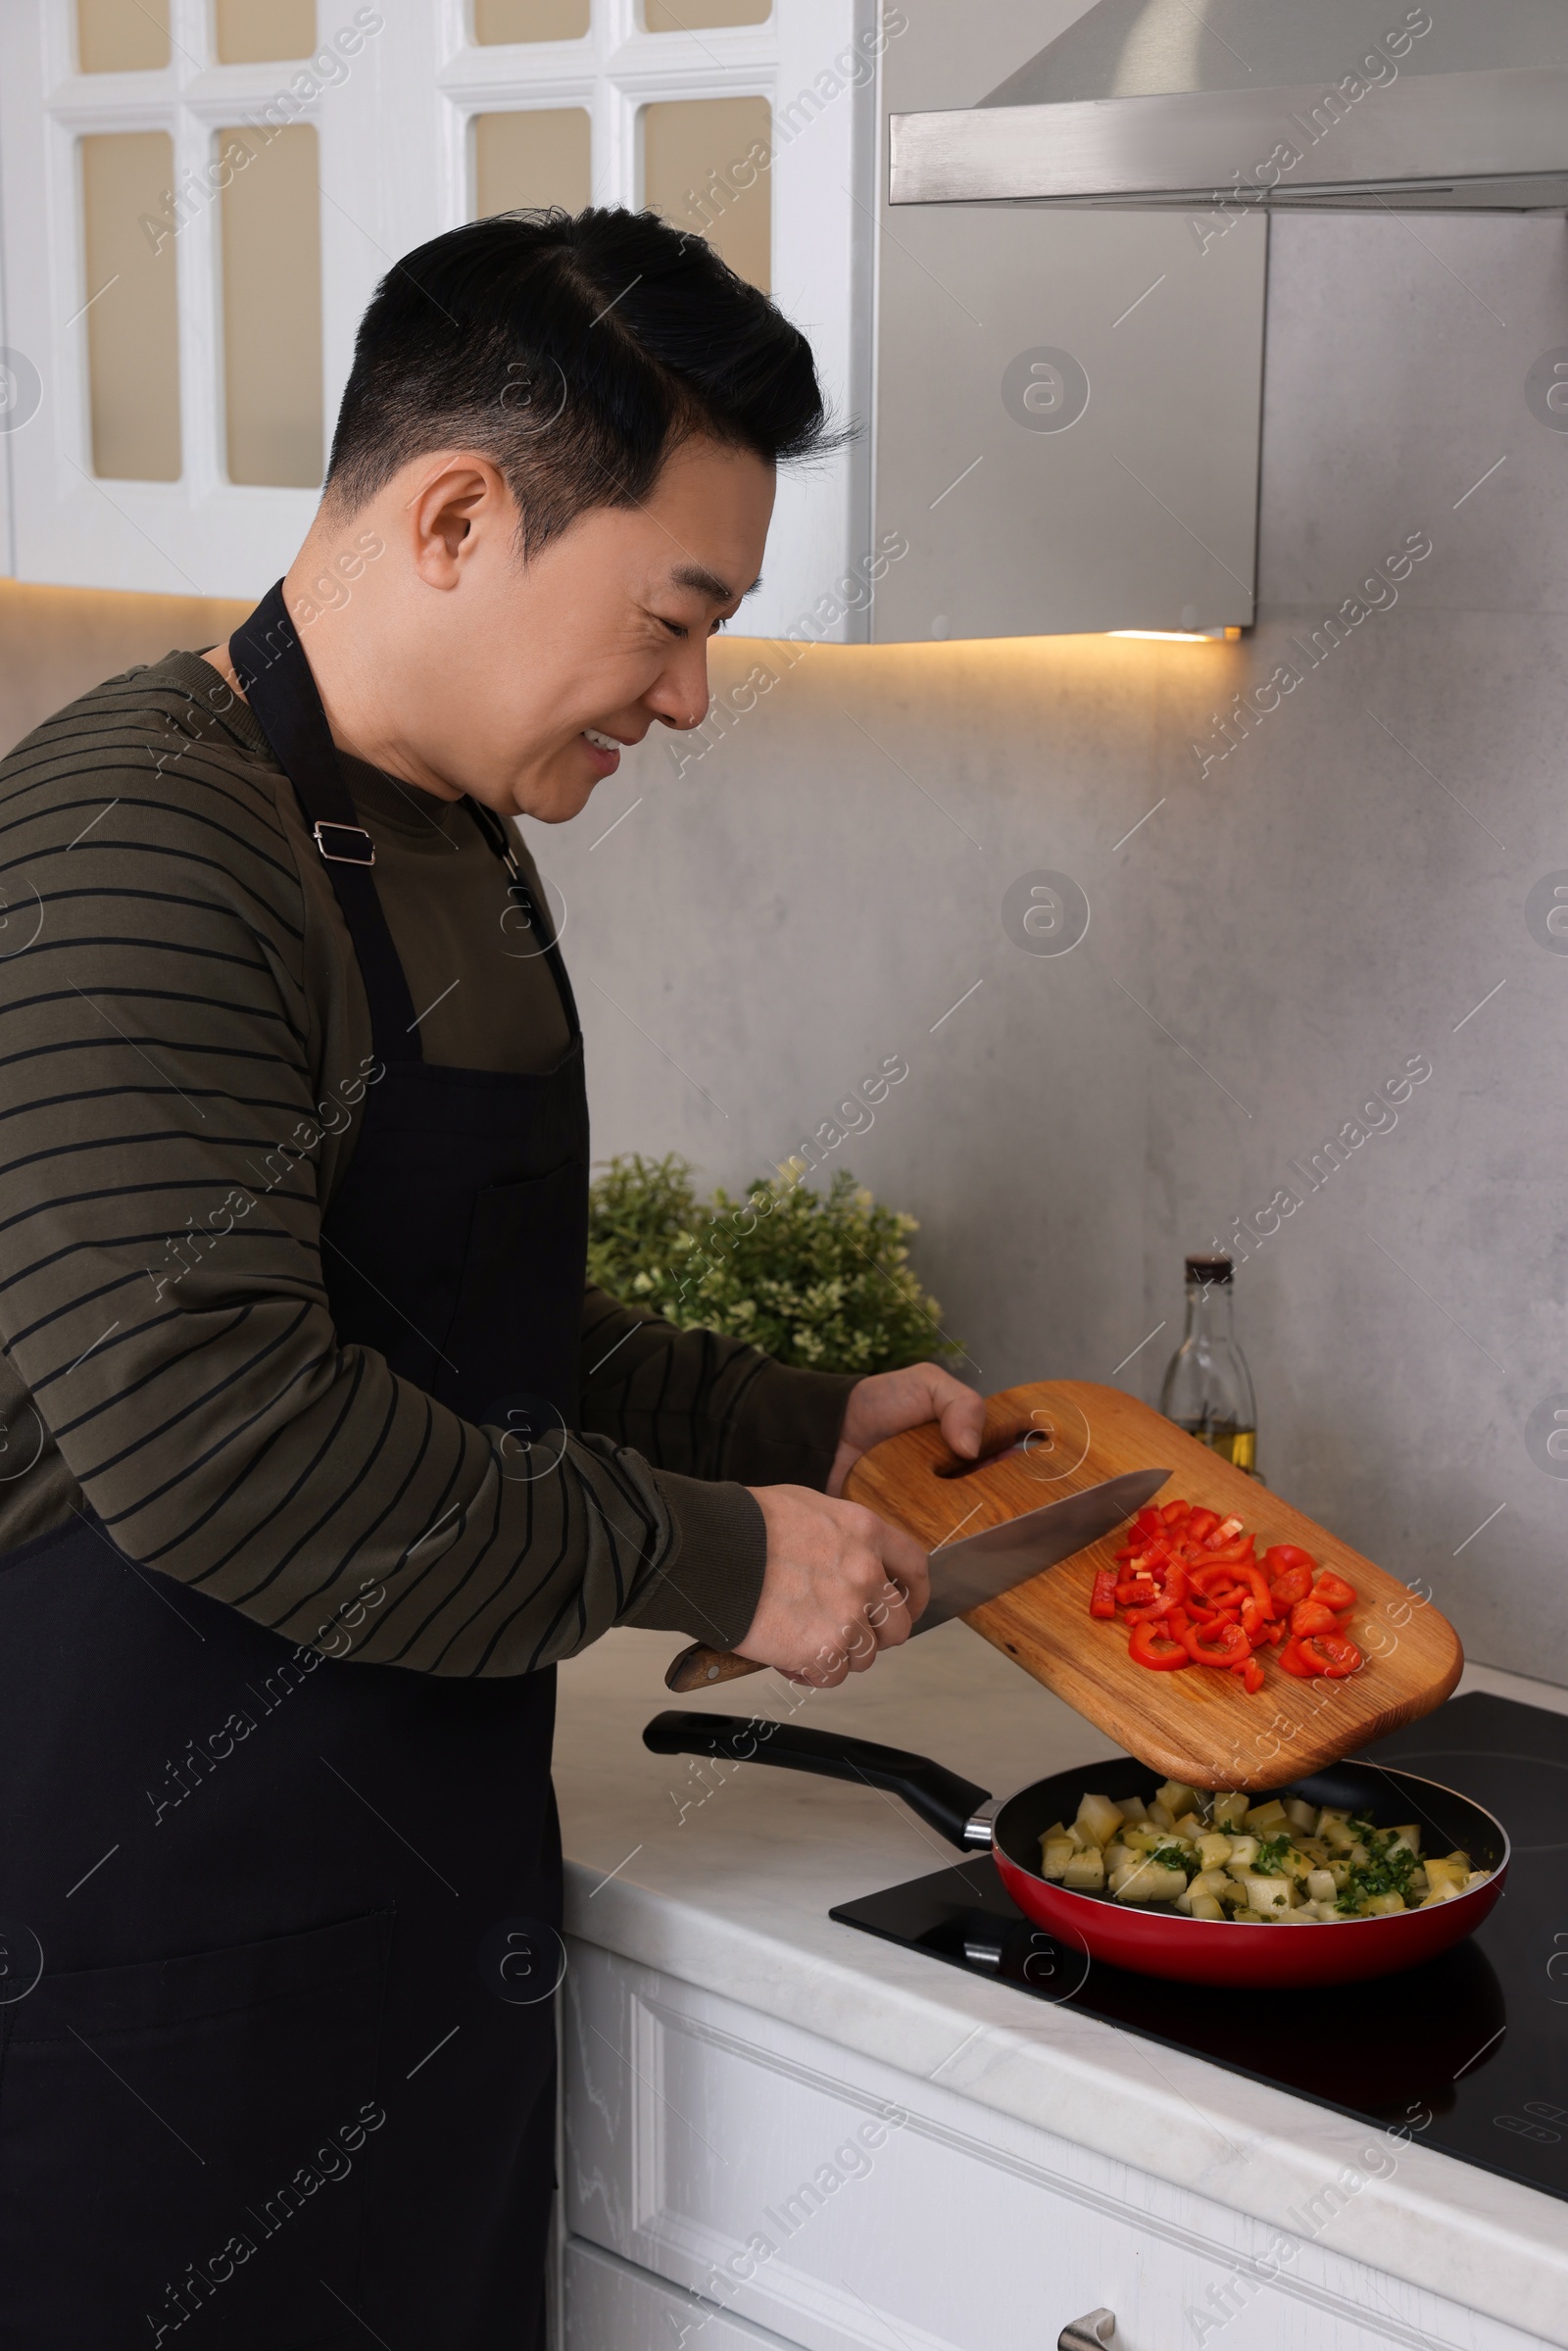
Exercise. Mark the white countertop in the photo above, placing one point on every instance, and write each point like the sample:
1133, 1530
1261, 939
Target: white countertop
723, 1875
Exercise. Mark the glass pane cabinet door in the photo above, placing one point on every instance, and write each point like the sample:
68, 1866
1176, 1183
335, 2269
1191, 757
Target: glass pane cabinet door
198, 199
705, 167
122, 36
271, 281
535, 156
692, 15
131, 313
500, 21
250, 32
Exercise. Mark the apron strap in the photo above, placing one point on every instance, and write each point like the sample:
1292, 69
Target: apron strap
275, 674
501, 838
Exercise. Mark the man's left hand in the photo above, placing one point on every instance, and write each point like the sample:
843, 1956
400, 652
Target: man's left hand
889, 1401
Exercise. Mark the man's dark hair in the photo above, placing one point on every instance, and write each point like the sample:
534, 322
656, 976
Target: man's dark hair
577, 353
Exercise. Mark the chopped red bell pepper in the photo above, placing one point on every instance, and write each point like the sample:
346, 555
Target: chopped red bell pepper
1293, 1586
1306, 1656
1152, 1646
1255, 1624
1252, 1578
1330, 1653
1217, 1644
1173, 1595
1189, 1586
1235, 1557
1282, 1555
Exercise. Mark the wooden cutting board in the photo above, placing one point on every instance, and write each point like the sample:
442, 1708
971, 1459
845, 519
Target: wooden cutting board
1199, 1726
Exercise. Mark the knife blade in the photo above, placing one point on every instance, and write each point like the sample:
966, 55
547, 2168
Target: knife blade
970, 1569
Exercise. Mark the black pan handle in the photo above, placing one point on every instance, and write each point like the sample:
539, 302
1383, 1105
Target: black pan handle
939, 1797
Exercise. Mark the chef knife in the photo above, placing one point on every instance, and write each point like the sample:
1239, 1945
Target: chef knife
974, 1568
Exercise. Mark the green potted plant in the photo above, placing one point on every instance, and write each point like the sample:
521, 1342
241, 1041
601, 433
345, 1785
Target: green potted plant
814, 1278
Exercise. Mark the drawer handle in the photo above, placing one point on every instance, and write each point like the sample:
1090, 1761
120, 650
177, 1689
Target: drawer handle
1089, 2333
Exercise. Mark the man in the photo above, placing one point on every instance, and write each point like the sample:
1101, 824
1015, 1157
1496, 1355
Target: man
317, 1462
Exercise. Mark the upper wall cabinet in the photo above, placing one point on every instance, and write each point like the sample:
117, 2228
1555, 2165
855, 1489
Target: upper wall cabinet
1066, 405
197, 198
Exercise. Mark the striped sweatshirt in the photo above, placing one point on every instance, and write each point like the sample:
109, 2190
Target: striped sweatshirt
184, 1043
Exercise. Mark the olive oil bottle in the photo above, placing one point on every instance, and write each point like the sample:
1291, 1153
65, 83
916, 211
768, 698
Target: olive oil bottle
1207, 1389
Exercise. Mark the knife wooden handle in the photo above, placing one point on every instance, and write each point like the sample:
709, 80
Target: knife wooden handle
702, 1668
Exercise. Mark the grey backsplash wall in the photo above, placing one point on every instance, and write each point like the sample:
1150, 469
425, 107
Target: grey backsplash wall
1284, 933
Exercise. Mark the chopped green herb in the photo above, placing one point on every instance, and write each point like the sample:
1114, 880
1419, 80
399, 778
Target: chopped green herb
1388, 1871
1176, 1857
1271, 1852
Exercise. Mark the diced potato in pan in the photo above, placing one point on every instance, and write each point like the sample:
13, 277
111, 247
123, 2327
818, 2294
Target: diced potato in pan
1098, 1819
1177, 1797
1148, 1882
1283, 1862
1055, 1854
1270, 1898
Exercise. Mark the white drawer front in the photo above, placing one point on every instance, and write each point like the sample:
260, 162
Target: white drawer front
607, 2306
783, 2180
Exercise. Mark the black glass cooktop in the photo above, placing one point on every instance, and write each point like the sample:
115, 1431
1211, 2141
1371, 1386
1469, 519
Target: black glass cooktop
1469, 2053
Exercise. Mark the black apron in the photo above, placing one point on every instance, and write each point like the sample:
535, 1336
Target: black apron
278, 1934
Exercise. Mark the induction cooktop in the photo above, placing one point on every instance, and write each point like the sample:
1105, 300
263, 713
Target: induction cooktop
1468, 2054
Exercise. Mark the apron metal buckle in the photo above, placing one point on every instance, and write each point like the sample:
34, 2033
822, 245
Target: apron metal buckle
356, 846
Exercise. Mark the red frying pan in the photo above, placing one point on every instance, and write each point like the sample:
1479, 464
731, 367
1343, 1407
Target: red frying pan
1154, 1941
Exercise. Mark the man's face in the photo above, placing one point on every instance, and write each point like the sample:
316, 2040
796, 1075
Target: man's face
522, 683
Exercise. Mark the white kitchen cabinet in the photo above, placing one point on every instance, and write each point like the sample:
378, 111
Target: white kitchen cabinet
1068, 409
1139, 514
611, 2306
807, 2195
392, 97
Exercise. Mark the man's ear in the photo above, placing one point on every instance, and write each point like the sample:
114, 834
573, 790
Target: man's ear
453, 501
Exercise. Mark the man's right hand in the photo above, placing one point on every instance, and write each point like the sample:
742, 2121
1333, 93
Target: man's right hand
840, 1585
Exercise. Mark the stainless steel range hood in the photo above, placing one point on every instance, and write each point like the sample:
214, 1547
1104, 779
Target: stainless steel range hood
1306, 104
